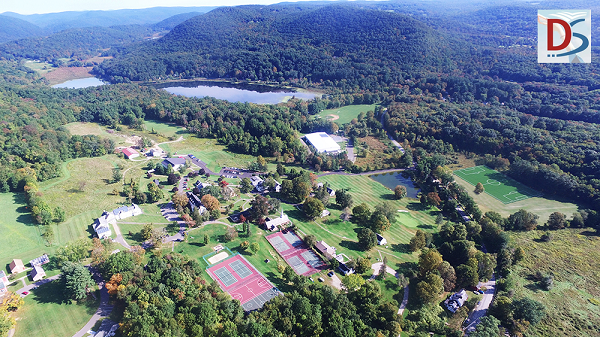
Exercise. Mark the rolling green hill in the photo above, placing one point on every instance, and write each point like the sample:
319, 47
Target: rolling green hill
282, 42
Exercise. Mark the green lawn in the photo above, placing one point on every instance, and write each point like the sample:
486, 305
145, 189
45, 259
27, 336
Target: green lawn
82, 129
195, 248
166, 129
19, 237
496, 184
46, 314
543, 207
39, 67
343, 235
572, 257
346, 113
210, 152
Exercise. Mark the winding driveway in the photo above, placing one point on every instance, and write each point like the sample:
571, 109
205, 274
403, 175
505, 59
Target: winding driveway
481, 308
103, 311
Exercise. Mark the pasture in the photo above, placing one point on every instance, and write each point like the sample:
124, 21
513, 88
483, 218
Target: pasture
45, 313
345, 114
496, 184
572, 258
543, 207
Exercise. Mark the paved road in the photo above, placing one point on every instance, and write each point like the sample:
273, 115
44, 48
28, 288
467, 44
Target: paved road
350, 151
119, 237
103, 311
404, 302
481, 308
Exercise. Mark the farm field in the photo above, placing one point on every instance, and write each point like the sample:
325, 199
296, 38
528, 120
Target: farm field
572, 257
45, 313
543, 207
345, 114
63, 74
496, 184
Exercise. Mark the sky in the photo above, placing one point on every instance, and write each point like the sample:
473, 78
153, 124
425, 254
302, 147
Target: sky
49, 6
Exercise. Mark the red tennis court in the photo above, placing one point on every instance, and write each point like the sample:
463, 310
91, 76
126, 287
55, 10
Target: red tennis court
243, 282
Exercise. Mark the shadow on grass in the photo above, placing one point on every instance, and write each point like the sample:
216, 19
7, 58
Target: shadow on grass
52, 292
424, 226
350, 245
24, 217
333, 222
401, 248
417, 206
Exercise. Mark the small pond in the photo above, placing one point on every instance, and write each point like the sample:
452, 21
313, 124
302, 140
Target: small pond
393, 179
80, 83
260, 94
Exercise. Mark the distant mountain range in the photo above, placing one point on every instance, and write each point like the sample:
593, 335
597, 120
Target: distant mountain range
14, 26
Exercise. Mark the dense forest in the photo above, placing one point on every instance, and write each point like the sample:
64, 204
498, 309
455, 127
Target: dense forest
77, 43
288, 43
168, 297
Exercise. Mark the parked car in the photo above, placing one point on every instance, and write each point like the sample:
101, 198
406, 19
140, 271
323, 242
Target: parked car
321, 279
25, 293
330, 274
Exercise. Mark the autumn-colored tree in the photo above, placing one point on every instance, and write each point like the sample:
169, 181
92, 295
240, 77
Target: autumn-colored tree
138, 253
210, 202
180, 199
188, 220
479, 188
433, 199
244, 245
223, 184
113, 285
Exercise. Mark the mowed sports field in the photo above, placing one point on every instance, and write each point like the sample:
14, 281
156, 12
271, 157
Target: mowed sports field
496, 184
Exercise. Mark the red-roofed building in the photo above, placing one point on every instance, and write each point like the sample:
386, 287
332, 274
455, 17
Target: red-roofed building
130, 153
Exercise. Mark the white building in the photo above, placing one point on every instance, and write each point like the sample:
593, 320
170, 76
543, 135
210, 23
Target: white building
325, 249
102, 224
37, 273
381, 240
322, 142
457, 300
272, 224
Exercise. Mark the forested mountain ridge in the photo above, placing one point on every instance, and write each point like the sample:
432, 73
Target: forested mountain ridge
74, 43
277, 43
56, 22
14, 28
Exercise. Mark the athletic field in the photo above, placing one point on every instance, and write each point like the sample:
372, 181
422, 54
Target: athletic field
496, 184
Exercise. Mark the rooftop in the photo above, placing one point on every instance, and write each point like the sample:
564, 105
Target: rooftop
322, 142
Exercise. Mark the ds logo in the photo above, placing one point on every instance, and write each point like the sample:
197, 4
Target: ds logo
564, 36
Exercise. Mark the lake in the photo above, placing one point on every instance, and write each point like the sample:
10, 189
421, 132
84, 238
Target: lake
260, 94
392, 179
80, 83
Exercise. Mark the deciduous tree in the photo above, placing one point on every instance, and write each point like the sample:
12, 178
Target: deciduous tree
210, 202
399, 192
367, 239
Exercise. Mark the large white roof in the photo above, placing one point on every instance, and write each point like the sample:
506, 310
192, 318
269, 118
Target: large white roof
322, 142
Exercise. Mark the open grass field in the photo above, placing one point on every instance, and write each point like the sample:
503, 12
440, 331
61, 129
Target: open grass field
496, 184
80, 128
572, 257
210, 152
39, 67
543, 207
19, 237
165, 129
96, 173
46, 314
345, 114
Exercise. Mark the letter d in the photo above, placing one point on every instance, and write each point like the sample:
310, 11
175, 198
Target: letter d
550, 28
